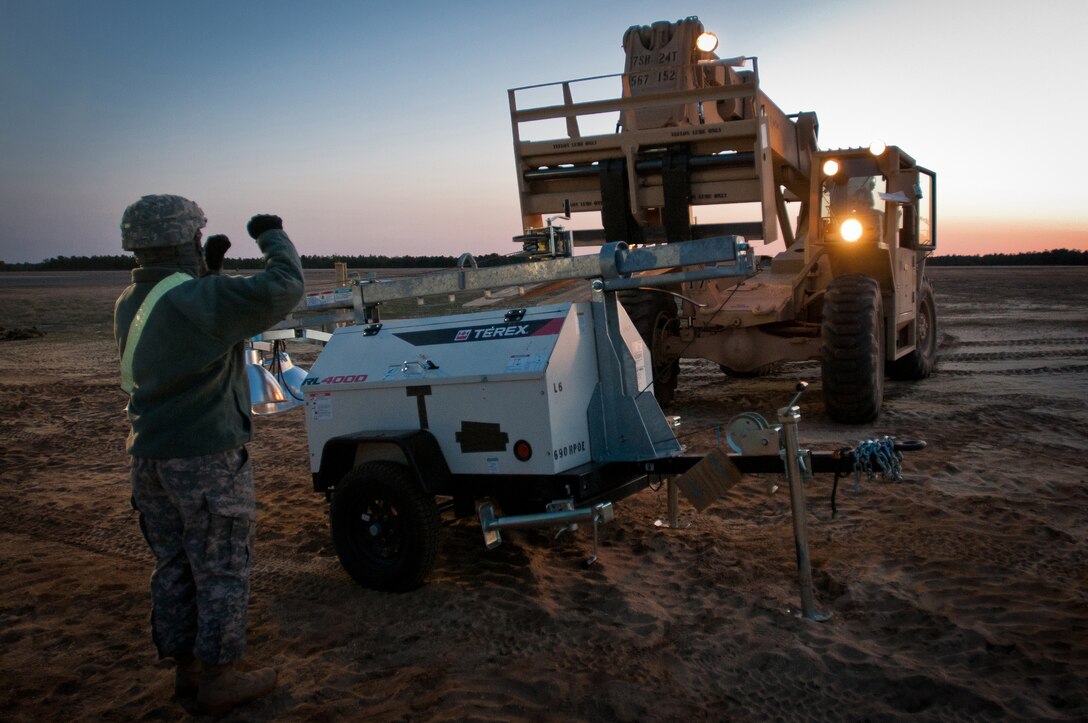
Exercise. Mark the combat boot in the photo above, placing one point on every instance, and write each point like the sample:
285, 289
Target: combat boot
223, 687
186, 676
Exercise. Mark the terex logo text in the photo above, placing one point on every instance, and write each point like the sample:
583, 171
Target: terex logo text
492, 332
484, 332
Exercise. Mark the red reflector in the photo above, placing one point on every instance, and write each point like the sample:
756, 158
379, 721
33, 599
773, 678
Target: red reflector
523, 450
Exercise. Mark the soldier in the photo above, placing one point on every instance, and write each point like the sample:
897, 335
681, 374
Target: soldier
181, 332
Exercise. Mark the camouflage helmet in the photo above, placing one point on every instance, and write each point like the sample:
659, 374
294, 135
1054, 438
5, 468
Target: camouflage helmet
161, 220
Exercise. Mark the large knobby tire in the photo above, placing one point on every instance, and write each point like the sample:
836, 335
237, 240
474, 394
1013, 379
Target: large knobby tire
384, 527
652, 313
853, 349
920, 363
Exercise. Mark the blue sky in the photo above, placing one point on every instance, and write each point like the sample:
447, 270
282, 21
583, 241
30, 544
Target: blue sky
384, 128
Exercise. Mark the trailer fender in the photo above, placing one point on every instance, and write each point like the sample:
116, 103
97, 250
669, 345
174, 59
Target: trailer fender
416, 449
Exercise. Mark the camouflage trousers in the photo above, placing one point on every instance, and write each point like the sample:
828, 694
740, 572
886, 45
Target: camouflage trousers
198, 516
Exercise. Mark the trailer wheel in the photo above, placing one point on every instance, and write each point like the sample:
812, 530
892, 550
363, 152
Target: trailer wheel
384, 527
919, 363
853, 349
652, 312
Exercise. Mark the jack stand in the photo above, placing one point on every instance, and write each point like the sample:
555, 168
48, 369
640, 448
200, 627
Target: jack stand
789, 416
596, 523
673, 520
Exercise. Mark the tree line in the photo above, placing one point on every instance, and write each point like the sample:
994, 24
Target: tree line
1055, 257
124, 262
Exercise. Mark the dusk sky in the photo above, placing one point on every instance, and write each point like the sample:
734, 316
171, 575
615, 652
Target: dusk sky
383, 128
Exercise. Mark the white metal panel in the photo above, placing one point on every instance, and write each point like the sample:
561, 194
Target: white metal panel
477, 382
569, 385
438, 350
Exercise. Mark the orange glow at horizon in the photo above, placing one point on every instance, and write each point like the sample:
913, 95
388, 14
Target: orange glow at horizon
965, 237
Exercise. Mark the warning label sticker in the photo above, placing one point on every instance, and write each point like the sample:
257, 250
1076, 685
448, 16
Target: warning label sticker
320, 405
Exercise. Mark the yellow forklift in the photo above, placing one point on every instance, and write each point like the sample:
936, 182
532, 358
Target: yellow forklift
682, 129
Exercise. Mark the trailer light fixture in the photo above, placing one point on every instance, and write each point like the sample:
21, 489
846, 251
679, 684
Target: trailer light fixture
289, 376
831, 167
707, 42
523, 451
265, 393
850, 230
877, 148
275, 385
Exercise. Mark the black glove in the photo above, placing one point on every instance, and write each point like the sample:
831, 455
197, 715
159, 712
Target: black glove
215, 248
263, 222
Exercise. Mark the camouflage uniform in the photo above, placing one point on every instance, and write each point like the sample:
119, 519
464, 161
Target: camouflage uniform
189, 411
198, 516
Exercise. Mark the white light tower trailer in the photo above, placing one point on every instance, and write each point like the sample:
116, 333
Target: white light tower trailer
547, 414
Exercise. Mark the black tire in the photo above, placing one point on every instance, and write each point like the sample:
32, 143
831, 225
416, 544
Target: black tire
652, 313
853, 349
920, 363
384, 527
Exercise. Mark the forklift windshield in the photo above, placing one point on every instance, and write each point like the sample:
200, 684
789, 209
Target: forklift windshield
854, 194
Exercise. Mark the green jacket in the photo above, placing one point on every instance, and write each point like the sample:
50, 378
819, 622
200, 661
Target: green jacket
191, 395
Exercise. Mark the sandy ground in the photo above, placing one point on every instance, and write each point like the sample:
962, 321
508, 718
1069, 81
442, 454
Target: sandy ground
957, 594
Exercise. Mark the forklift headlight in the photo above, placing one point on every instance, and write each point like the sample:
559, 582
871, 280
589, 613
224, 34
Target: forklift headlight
877, 147
707, 42
831, 167
850, 230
